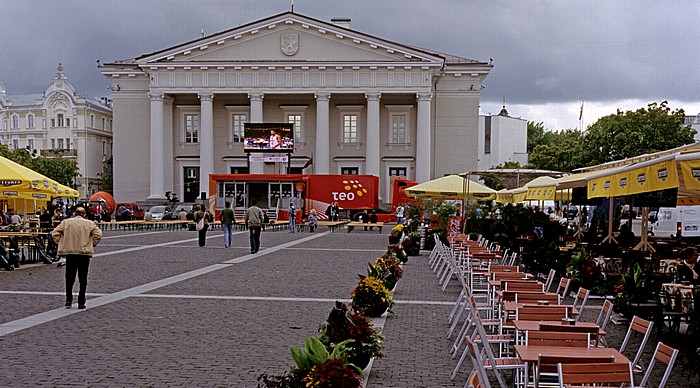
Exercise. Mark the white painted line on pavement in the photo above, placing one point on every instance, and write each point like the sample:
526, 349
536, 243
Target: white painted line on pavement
274, 249
131, 235
48, 316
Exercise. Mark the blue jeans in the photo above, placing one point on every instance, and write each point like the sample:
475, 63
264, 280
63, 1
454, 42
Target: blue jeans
292, 225
254, 238
228, 234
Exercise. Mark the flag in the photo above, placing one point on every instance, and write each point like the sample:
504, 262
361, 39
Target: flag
580, 115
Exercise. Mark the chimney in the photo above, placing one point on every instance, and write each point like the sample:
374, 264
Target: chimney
342, 22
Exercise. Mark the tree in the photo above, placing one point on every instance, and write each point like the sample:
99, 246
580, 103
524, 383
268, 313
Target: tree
632, 133
560, 153
58, 169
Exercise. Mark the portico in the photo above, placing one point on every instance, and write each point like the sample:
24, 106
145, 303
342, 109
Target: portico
359, 104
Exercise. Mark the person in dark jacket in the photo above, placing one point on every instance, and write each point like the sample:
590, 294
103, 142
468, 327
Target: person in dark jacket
687, 269
373, 219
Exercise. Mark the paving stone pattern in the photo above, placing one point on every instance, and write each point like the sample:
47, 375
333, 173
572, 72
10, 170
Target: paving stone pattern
226, 327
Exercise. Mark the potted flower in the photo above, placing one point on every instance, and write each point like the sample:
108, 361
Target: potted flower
317, 367
342, 325
395, 251
388, 269
396, 234
411, 245
371, 297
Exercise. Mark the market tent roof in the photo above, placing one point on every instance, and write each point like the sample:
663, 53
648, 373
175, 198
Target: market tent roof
451, 186
15, 177
67, 192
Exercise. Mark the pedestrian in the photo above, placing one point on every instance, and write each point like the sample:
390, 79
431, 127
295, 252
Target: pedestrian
688, 269
399, 213
373, 219
253, 219
204, 216
364, 217
292, 217
76, 238
226, 217
313, 221
15, 220
336, 211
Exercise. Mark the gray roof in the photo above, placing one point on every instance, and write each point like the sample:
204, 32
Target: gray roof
23, 99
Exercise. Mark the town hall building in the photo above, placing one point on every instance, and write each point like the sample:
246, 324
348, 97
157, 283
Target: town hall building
360, 104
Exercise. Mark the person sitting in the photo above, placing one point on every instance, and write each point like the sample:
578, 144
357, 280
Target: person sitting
687, 269
626, 236
364, 217
373, 219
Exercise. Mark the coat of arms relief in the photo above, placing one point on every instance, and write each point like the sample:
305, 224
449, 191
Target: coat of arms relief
289, 43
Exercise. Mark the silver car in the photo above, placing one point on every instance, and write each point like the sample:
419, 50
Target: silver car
159, 211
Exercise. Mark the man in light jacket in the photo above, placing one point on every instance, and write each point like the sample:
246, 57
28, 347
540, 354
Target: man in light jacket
253, 219
76, 237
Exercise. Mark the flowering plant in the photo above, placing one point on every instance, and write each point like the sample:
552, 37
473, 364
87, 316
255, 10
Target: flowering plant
371, 297
342, 325
398, 229
317, 367
585, 272
396, 234
395, 251
388, 269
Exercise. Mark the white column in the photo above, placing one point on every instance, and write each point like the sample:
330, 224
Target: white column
256, 116
206, 141
168, 159
423, 137
322, 159
373, 141
157, 175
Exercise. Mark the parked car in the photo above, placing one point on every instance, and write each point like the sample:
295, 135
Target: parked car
136, 213
159, 211
173, 215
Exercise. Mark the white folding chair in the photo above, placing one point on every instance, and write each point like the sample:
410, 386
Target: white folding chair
603, 319
643, 328
665, 355
582, 297
550, 280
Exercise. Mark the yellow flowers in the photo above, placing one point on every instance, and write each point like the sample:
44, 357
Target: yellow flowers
398, 228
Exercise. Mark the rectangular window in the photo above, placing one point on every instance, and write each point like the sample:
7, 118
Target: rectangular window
60, 120
15, 144
239, 170
30, 121
67, 122
60, 144
104, 123
30, 144
53, 122
487, 135
349, 171
68, 144
92, 121
349, 128
237, 126
397, 171
53, 144
296, 120
398, 129
191, 128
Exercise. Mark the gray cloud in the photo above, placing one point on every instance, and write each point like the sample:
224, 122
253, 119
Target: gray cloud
547, 51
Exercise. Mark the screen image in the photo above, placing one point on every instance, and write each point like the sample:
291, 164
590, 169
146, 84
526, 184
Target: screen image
269, 137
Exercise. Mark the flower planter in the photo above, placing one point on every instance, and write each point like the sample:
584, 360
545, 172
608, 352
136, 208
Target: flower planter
360, 360
375, 311
394, 239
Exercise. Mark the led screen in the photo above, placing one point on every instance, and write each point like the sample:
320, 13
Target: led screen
269, 137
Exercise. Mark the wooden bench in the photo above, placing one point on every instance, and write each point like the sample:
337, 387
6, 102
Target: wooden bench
331, 225
354, 224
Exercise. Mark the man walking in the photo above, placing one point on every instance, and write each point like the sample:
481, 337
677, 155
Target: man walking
76, 237
226, 218
253, 219
292, 217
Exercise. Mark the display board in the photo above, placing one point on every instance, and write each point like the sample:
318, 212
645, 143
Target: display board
266, 137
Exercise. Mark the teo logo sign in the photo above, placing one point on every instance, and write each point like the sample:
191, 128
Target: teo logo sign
351, 190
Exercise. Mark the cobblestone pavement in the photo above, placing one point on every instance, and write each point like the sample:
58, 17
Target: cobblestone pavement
163, 312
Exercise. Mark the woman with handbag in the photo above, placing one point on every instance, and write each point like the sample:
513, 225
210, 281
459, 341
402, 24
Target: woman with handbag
201, 219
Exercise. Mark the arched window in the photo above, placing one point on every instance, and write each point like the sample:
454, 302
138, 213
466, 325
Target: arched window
15, 121
30, 121
104, 124
92, 121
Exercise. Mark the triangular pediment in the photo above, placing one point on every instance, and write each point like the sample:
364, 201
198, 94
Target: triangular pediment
291, 38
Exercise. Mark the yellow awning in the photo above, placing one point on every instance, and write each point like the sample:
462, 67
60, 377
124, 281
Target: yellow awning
15, 177
653, 175
67, 192
504, 196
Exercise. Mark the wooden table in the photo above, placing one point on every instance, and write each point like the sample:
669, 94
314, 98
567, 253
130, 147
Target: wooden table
523, 326
529, 354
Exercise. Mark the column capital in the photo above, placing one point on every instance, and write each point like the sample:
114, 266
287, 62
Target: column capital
256, 96
322, 96
424, 96
373, 96
156, 96
205, 96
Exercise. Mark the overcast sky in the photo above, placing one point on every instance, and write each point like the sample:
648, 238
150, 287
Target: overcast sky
548, 56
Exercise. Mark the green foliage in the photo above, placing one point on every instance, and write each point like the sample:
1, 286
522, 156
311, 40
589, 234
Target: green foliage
315, 353
560, 152
631, 133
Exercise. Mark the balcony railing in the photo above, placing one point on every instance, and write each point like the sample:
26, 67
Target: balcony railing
59, 153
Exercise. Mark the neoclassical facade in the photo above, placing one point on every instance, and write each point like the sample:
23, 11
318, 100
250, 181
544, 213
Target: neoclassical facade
60, 123
360, 105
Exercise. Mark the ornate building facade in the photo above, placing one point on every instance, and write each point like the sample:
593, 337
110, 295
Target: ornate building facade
360, 105
60, 123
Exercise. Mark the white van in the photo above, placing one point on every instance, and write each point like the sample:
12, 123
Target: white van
683, 218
